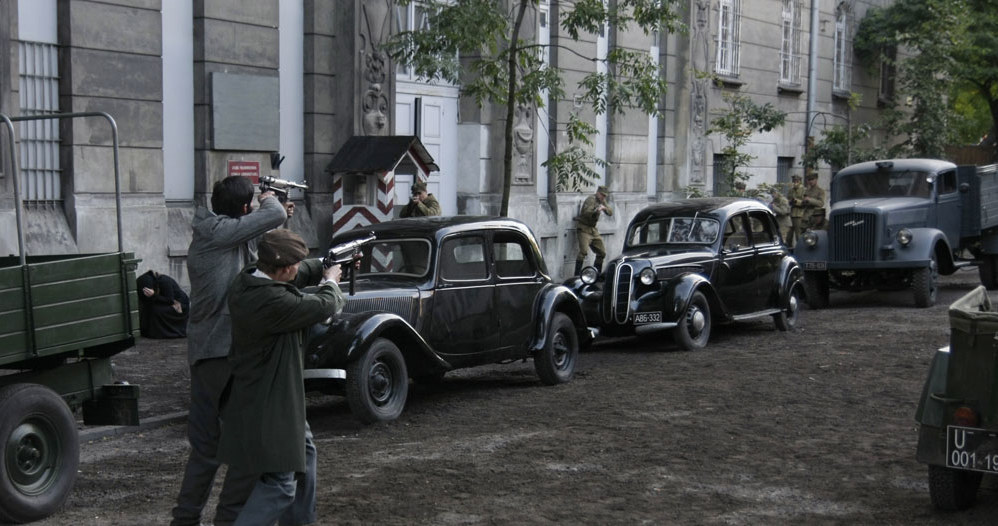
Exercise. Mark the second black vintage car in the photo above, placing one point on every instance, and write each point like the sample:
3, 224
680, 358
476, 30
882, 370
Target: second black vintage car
687, 264
440, 293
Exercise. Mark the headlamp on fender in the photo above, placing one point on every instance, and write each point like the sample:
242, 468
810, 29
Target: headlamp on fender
810, 238
589, 275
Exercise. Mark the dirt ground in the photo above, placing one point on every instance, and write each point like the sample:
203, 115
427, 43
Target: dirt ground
762, 427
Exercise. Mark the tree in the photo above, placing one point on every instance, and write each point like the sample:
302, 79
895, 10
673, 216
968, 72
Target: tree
477, 44
737, 124
952, 43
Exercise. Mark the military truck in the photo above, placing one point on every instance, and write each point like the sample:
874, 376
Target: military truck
958, 410
898, 224
62, 318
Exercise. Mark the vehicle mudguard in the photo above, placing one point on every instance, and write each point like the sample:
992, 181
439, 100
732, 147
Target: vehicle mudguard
932, 409
349, 335
923, 247
558, 298
681, 291
790, 274
819, 252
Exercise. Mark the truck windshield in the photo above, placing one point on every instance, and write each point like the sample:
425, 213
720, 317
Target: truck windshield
698, 230
906, 183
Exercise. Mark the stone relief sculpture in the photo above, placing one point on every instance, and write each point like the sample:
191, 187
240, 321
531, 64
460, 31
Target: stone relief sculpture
699, 45
523, 142
375, 104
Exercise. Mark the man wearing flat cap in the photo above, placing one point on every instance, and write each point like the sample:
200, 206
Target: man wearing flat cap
592, 208
421, 204
264, 430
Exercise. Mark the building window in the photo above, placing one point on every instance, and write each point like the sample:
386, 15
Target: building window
39, 94
723, 175
783, 167
790, 57
842, 64
887, 75
728, 20
359, 190
410, 17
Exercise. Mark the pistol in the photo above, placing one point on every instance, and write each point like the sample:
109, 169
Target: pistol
280, 187
346, 254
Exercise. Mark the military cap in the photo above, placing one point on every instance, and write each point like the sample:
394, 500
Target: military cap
795, 177
812, 175
603, 190
281, 248
418, 187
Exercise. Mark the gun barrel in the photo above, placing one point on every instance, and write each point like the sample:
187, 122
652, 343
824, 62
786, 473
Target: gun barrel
282, 183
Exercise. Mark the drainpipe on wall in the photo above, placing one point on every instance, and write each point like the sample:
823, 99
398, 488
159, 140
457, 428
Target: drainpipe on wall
812, 73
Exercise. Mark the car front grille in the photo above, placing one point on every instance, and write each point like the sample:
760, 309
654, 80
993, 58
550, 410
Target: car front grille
853, 237
404, 306
622, 292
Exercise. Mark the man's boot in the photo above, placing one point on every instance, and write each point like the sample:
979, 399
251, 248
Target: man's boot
578, 268
599, 267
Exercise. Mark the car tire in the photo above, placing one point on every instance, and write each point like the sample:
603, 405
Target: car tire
816, 289
988, 270
377, 383
953, 489
787, 319
555, 363
924, 285
693, 330
41, 452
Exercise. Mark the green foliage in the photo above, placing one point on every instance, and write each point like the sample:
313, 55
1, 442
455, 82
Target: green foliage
837, 147
476, 44
736, 125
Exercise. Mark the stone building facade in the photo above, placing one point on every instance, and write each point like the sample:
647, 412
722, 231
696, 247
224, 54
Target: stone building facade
201, 89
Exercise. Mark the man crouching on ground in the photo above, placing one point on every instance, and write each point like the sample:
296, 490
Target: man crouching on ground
263, 419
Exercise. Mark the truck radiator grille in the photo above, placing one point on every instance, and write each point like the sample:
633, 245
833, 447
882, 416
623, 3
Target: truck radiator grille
853, 237
402, 306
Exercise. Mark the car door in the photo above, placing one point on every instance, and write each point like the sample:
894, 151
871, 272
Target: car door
734, 279
769, 253
518, 282
463, 322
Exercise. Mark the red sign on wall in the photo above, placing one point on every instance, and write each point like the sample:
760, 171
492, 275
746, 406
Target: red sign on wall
249, 169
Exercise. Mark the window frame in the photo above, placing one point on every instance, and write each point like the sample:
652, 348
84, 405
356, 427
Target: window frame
726, 60
790, 56
841, 65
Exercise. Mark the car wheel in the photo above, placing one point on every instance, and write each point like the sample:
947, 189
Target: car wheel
377, 383
555, 363
924, 286
786, 320
694, 327
988, 270
816, 289
953, 489
41, 452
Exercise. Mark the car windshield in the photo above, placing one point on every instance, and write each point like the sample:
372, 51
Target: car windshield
399, 257
904, 183
674, 230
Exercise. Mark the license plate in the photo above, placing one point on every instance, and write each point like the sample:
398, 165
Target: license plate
971, 449
815, 265
647, 317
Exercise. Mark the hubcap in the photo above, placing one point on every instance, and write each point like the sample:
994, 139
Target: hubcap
379, 383
696, 321
32, 453
560, 347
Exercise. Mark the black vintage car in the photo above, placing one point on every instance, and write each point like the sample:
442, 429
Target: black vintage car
686, 264
440, 293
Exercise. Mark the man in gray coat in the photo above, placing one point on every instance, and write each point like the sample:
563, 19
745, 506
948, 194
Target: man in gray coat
224, 241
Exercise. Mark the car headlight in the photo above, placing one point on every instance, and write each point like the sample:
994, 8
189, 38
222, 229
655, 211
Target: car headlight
647, 276
589, 275
810, 238
904, 237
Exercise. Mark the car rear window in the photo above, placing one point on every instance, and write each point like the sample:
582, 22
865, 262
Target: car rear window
674, 230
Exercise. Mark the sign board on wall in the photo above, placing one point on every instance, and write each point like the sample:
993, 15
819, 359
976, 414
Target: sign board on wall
249, 169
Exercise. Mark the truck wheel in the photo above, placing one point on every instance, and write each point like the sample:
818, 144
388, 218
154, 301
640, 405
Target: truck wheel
41, 452
988, 270
953, 489
923, 285
555, 363
787, 319
816, 289
377, 383
693, 330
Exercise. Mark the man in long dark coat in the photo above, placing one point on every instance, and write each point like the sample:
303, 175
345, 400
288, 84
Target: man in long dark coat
263, 419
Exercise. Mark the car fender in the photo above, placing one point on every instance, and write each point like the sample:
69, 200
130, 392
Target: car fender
681, 291
819, 252
349, 335
552, 299
791, 274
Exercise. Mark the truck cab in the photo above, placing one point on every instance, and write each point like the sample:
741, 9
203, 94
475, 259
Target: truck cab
896, 224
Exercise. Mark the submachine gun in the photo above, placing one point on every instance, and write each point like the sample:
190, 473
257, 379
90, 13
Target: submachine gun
280, 187
346, 254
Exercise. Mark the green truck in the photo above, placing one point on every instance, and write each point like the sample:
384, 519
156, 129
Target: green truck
62, 318
958, 410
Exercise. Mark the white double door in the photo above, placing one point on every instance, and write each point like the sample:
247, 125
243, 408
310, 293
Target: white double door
436, 109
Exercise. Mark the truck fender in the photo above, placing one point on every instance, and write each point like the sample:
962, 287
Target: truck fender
819, 252
926, 243
349, 335
552, 299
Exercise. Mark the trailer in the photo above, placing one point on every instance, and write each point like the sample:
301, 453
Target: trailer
62, 318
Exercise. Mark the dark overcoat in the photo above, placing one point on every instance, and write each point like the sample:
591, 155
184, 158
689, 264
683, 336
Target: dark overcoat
263, 416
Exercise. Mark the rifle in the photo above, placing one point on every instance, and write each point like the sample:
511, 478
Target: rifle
348, 252
280, 187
